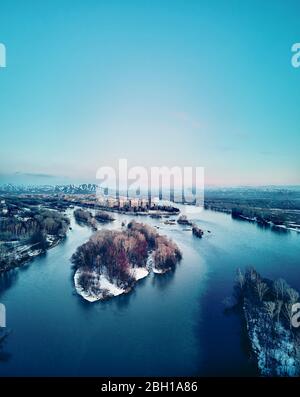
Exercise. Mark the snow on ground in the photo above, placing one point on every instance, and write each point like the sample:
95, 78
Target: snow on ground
50, 238
101, 284
157, 271
101, 288
35, 253
139, 272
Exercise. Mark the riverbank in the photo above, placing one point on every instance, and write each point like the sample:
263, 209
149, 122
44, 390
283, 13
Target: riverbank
289, 218
267, 307
20, 254
27, 231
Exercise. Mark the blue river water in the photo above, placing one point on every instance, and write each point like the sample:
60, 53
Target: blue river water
169, 325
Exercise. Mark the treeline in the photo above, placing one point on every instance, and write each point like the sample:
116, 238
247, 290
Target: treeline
115, 253
261, 216
276, 296
33, 225
14, 203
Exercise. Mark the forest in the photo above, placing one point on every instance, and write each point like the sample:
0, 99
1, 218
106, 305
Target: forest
31, 228
33, 225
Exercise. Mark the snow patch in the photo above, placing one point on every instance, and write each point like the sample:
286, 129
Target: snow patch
100, 289
139, 272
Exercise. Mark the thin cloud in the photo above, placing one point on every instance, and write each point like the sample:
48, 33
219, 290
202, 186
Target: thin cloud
35, 175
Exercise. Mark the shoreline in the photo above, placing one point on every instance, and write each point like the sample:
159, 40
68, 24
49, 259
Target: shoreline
266, 223
102, 289
29, 254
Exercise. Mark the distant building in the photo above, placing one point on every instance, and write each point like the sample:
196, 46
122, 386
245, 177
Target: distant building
123, 201
144, 203
111, 202
134, 203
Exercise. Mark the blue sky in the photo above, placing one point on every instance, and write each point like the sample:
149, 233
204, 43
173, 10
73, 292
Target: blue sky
188, 83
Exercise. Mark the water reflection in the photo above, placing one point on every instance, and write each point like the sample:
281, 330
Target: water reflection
8, 279
4, 334
163, 281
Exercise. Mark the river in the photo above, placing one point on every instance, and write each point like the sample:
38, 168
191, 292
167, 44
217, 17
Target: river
169, 325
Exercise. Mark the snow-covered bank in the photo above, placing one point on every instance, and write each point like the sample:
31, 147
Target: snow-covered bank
100, 287
276, 355
160, 271
19, 254
139, 272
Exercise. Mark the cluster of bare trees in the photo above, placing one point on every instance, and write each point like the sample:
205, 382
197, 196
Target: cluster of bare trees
262, 216
36, 223
32, 230
86, 218
112, 253
183, 220
277, 296
115, 253
271, 303
197, 231
166, 252
102, 216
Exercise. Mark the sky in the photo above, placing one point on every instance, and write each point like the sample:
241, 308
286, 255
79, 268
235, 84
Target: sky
159, 83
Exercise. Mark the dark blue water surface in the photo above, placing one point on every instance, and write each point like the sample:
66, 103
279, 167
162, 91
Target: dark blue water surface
169, 325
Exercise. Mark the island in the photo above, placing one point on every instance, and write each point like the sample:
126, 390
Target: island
85, 218
183, 220
112, 261
197, 232
104, 217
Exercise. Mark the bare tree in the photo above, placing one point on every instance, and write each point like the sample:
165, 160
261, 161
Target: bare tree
280, 287
270, 309
261, 289
240, 278
279, 305
288, 313
252, 274
292, 295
